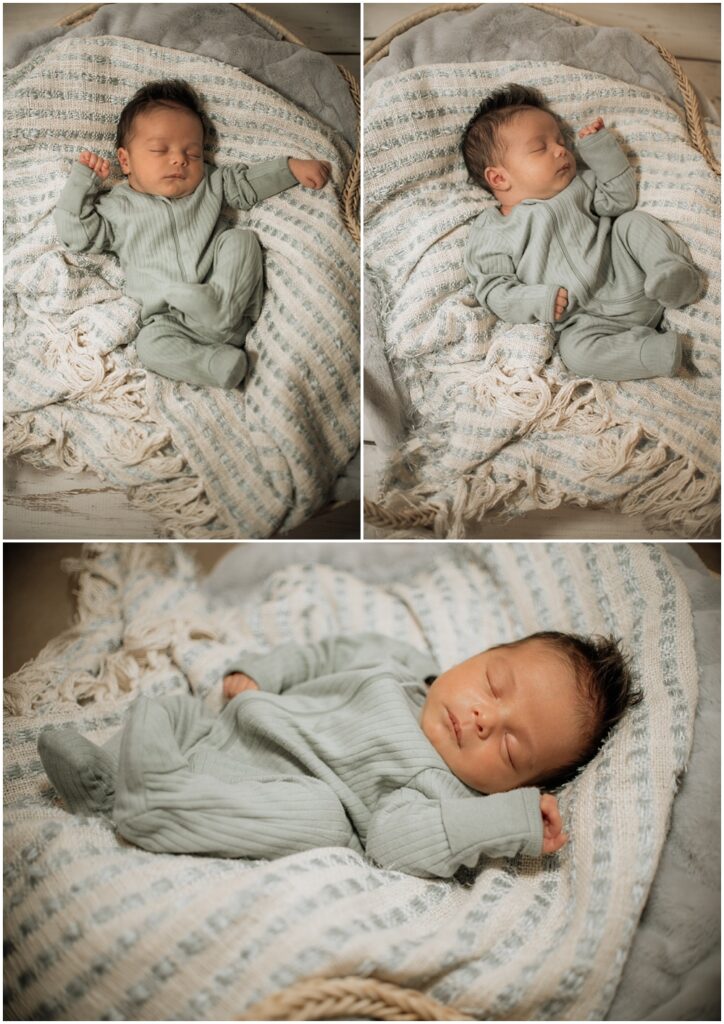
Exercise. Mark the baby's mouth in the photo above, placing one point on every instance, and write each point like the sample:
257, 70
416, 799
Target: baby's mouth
455, 726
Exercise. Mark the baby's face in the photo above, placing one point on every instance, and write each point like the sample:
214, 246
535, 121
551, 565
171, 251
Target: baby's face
535, 163
165, 154
503, 718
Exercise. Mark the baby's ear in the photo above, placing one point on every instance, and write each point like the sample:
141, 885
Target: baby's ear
497, 178
122, 155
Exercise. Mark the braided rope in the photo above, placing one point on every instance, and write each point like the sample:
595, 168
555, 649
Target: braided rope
345, 998
423, 516
350, 198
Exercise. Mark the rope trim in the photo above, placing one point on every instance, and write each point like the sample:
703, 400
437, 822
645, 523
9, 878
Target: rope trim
351, 997
378, 515
350, 198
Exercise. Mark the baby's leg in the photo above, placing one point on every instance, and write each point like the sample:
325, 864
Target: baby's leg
166, 346
165, 805
671, 277
610, 351
232, 290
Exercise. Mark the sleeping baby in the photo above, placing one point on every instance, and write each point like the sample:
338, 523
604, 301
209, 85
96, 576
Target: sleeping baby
568, 248
199, 283
357, 741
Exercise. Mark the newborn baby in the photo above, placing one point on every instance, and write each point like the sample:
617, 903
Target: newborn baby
568, 248
357, 741
200, 286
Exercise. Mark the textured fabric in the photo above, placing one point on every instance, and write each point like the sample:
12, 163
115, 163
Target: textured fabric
344, 712
500, 427
95, 927
204, 462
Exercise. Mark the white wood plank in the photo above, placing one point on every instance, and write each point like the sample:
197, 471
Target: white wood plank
329, 28
567, 522
50, 504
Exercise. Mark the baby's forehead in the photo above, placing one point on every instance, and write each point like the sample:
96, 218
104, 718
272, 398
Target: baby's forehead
167, 119
528, 123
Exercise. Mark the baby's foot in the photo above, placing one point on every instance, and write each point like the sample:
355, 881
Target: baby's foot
227, 365
675, 283
82, 773
661, 353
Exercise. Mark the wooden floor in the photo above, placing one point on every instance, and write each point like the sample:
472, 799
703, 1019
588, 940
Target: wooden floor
54, 505
692, 32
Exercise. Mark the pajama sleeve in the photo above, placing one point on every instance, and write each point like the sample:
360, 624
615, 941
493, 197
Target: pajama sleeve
245, 186
81, 225
611, 178
433, 836
492, 273
292, 664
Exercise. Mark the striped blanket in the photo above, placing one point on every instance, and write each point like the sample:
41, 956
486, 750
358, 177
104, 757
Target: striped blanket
97, 929
500, 426
204, 462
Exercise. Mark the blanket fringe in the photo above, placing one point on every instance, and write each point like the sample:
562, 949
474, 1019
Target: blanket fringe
133, 649
175, 498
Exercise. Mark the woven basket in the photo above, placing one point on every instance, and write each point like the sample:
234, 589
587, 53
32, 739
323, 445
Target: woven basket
423, 516
351, 192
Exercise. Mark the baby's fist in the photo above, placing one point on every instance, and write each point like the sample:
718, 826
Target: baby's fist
98, 164
237, 682
592, 128
554, 838
310, 173
561, 303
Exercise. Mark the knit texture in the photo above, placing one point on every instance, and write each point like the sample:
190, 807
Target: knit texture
500, 427
202, 462
97, 928
332, 755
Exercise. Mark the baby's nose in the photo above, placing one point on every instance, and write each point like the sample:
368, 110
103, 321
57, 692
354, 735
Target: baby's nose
482, 722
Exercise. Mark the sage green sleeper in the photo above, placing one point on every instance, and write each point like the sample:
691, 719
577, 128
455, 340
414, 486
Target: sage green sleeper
199, 282
620, 266
329, 752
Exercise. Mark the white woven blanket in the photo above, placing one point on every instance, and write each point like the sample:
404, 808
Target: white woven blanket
97, 929
206, 463
501, 426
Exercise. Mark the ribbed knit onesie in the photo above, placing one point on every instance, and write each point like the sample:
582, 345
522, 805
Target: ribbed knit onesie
620, 269
329, 752
199, 283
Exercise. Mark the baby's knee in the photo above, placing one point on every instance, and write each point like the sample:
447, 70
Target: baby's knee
573, 353
240, 245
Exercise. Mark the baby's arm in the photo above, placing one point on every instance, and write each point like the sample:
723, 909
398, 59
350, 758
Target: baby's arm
292, 664
245, 186
496, 285
432, 836
80, 226
615, 180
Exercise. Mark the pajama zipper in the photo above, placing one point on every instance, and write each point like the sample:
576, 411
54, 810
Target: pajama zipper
176, 243
566, 256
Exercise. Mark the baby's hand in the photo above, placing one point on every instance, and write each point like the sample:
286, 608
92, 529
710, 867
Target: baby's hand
98, 164
592, 128
310, 173
561, 303
237, 682
554, 838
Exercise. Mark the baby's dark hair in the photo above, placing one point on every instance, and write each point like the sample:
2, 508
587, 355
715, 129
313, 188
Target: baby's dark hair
168, 92
605, 690
481, 138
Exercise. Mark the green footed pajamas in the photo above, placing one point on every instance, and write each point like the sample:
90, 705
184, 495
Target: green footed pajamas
200, 286
328, 752
621, 268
